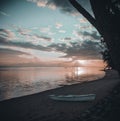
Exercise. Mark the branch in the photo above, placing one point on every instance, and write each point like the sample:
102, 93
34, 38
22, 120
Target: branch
85, 14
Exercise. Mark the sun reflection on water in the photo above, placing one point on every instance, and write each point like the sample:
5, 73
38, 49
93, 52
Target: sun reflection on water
79, 71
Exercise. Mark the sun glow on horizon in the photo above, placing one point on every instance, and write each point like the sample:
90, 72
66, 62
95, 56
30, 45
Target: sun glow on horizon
90, 63
82, 62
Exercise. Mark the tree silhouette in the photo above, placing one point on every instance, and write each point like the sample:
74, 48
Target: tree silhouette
107, 21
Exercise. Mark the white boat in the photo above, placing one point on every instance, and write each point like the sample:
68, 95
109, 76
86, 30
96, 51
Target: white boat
86, 97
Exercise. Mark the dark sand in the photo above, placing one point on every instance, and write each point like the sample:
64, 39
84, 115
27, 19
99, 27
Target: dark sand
39, 107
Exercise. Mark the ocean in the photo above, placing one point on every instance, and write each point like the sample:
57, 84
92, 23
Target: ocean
16, 82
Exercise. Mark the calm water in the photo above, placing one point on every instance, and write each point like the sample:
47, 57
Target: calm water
15, 82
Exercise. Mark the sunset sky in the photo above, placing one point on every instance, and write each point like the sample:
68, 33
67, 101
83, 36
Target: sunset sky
46, 32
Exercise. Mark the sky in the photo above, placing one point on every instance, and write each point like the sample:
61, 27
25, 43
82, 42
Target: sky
46, 33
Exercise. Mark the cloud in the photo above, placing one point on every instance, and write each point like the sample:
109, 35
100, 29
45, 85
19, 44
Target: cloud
62, 31
34, 38
67, 38
10, 56
82, 20
58, 25
63, 5
45, 30
10, 51
7, 34
23, 44
26, 56
16, 56
94, 35
38, 40
37, 55
23, 31
32, 41
86, 50
43, 3
4, 14
86, 35
43, 38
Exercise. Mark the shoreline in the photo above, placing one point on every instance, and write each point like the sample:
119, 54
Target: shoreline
39, 107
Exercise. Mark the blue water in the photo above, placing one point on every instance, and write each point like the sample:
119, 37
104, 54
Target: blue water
16, 82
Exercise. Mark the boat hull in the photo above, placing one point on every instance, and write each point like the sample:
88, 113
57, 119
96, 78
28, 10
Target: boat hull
88, 97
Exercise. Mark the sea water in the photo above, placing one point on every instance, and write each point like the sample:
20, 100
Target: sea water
16, 82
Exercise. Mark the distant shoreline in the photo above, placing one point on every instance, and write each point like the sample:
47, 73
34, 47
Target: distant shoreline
47, 66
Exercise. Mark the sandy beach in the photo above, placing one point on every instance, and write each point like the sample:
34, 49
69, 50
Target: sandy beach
39, 107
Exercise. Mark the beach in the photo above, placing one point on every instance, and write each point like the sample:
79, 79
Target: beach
39, 107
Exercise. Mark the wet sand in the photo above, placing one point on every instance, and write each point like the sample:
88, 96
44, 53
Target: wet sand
39, 107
